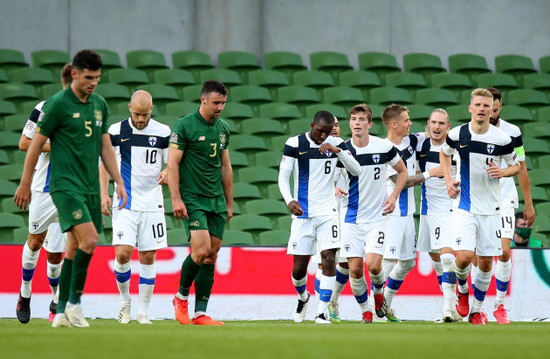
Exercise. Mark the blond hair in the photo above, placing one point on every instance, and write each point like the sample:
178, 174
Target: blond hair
481, 92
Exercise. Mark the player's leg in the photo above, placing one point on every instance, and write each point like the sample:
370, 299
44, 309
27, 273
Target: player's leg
328, 238
147, 276
123, 273
342, 277
374, 249
448, 285
64, 288
428, 242
55, 245
503, 270
359, 287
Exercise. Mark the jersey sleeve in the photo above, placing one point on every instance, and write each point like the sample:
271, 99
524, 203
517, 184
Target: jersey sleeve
178, 139
509, 153
517, 140
421, 137
104, 125
393, 156
48, 119
451, 142
290, 154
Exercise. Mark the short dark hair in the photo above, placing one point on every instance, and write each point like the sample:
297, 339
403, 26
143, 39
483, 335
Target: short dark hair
324, 116
66, 77
391, 112
496, 93
210, 86
362, 107
519, 215
87, 59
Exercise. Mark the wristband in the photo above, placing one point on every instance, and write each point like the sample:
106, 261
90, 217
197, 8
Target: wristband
426, 175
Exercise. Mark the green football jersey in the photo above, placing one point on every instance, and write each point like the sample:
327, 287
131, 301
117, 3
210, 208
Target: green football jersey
75, 129
202, 144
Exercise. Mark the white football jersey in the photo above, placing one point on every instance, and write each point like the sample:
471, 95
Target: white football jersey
314, 173
367, 192
139, 155
508, 190
407, 150
41, 177
479, 193
434, 196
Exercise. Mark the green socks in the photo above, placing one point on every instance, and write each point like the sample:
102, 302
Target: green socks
81, 263
189, 271
64, 284
203, 286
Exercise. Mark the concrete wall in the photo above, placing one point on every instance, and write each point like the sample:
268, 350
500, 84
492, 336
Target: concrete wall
444, 27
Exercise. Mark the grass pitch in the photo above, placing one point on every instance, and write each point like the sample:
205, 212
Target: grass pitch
273, 339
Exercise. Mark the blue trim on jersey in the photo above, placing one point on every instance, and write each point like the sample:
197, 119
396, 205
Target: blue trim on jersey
479, 294
404, 202
148, 281
47, 184
353, 200
125, 145
448, 277
502, 286
464, 137
424, 209
54, 282
394, 284
303, 173
123, 277
27, 274
362, 298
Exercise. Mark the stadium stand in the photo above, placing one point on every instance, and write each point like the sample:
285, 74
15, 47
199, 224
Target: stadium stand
229, 78
146, 60
240, 61
363, 80
436, 97
177, 78
385, 96
331, 62
284, 61
344, 96
424, 64
378, 62
192, 61
515, 65
52, 60
12, 59
270, 79
471, 65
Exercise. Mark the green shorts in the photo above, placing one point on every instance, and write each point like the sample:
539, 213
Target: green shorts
76, 208
208, 213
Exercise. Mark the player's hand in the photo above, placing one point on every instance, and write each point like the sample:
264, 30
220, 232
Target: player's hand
229, 213
436, 172
529, 214
121, 194
453, 189
494, 171
388, 205
22, 196
295, 208
180, 211
327, 147
340, 192
162, 178
106, 204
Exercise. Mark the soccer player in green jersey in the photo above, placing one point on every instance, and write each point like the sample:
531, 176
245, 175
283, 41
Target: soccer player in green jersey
75, 121
199, 173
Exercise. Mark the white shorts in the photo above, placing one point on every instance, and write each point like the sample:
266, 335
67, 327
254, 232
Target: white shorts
434, 233
309, 235
362, 238
42, 212
55, 241
146, 229
507, 222
474, 232
400, 238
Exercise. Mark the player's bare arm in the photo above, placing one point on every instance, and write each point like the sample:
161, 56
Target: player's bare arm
23, 193
25, 142
496, 172
109, 161
172, 169
162, 178
452, 185
106, 202
227, 183
525, 185
400, 180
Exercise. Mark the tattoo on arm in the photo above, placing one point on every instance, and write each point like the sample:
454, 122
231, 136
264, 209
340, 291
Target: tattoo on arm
414, 180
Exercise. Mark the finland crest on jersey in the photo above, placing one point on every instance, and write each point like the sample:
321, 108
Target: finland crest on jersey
479, 193
407, 149
367, 192
140, 154
313, 174
508, 190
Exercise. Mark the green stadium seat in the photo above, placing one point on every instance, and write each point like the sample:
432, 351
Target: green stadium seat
284, 61
228, 77
385, 96
515, 65
9, 206
420, 113
424, 64
178, 236
336, 110
300, 96
516, 114
284, 222
238, 160
17, 93
248, 144
406, 80
277, 143
110, 59
378, 62
377, 129
9, 222
274, 238
237, 111
234, 127
28, 107
12, 59
270, 208
3, 76
269, 158
15, 123
543, 210
52, 60
318, 80
4, 158
236, 209
531, 99
544, 63
458, 114
503, 82
20, 235
436, 97
129, 77
32, 76
270, 79
468, 64
299, 125
363, 80
162, 95
539, 82
240, 61
9, 140
451, 81
345, 130
540, 177
244, 192
344, 96
543, 114
177, 78
250, 95
232, 237
7, 108
538, 194
168, 120
273, 191
113, 93
253, 224
192, 61
262, 127
192, 93
330, 61
258, 175
7, 188
280, 111
181, 108
48, 90
535, 147
536, 129
542, 226
146, 60
416, 127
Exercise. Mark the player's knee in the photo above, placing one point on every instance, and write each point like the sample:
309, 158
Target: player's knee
505, 256
355, 271
54, 258
200, 254
35, 241
88, 245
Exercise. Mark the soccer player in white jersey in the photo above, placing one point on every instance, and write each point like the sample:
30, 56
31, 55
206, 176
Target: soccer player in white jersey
476, 190
510, 203
44, 229
400, 243
312, 157
434, 232
364, 213
141, 146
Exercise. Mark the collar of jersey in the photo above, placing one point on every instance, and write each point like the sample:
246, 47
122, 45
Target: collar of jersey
73, 96
199, 116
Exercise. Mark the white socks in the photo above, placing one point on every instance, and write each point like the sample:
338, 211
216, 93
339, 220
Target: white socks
28, 263
503, 272
147, 276
123, 273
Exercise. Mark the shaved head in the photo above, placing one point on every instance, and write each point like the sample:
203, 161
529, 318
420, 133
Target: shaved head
141, 107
